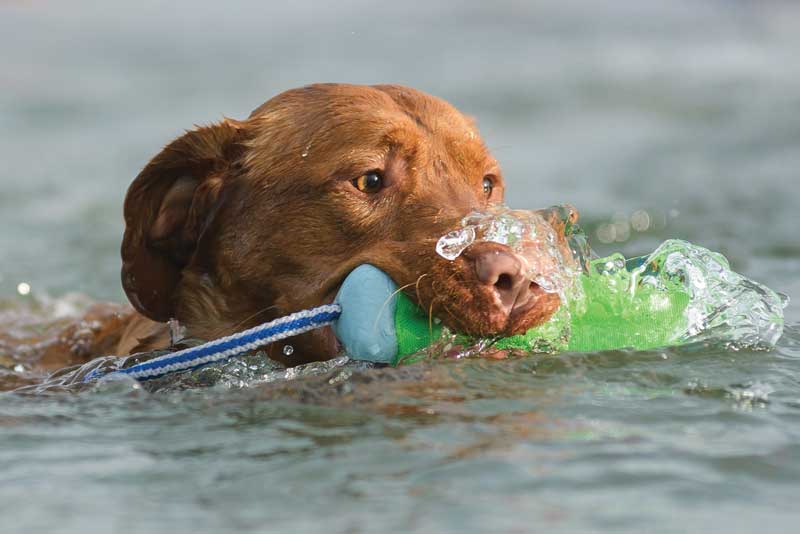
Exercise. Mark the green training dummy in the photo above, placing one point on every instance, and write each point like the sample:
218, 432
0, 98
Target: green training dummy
678, 294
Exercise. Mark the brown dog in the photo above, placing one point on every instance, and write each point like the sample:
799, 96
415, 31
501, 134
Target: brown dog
240, 222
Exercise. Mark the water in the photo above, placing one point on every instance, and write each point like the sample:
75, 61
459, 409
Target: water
713, 303
659, 120
680, 293
532, 235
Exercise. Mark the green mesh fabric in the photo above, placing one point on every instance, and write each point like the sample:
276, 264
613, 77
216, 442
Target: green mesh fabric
604, 320
649, 319
415, 330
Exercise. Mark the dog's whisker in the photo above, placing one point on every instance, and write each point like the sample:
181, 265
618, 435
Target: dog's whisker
430, 319
389, 299
416, 287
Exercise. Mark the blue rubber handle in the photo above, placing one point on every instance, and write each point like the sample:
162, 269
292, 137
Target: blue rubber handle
366, 327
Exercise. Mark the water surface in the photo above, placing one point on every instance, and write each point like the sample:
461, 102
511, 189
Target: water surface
689, 111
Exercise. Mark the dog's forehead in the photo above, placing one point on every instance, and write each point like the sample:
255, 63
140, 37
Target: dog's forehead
326, 127
322, 109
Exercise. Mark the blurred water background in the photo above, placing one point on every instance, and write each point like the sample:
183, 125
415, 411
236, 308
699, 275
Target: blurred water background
656, 119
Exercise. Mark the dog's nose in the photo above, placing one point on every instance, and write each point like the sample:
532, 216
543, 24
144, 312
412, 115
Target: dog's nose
498, 267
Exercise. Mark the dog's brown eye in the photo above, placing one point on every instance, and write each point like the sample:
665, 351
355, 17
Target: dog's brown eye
372, 182
488, 186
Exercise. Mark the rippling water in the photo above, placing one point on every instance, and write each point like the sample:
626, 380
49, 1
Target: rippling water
686, 111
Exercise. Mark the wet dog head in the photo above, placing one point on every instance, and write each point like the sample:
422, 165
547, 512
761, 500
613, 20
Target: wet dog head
242, 221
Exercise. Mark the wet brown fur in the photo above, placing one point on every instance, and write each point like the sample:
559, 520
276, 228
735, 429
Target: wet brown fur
243, 221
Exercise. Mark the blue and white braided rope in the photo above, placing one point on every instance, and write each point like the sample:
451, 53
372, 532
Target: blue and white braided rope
233, 345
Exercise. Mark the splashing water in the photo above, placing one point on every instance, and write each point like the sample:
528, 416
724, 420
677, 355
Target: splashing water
551, 265
678, 294
723, 304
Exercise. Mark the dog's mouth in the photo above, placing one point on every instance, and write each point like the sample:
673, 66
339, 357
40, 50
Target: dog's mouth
531, 309
536, 297
468, 305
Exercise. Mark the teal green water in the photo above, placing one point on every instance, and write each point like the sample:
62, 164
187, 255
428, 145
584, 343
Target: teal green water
657, 120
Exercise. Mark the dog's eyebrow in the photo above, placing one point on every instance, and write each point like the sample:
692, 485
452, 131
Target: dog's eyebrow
359, 160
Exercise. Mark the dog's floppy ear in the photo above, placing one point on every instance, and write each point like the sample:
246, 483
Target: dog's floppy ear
168, 207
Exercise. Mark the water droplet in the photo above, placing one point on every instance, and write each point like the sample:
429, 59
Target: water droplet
288, 350
450, 246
